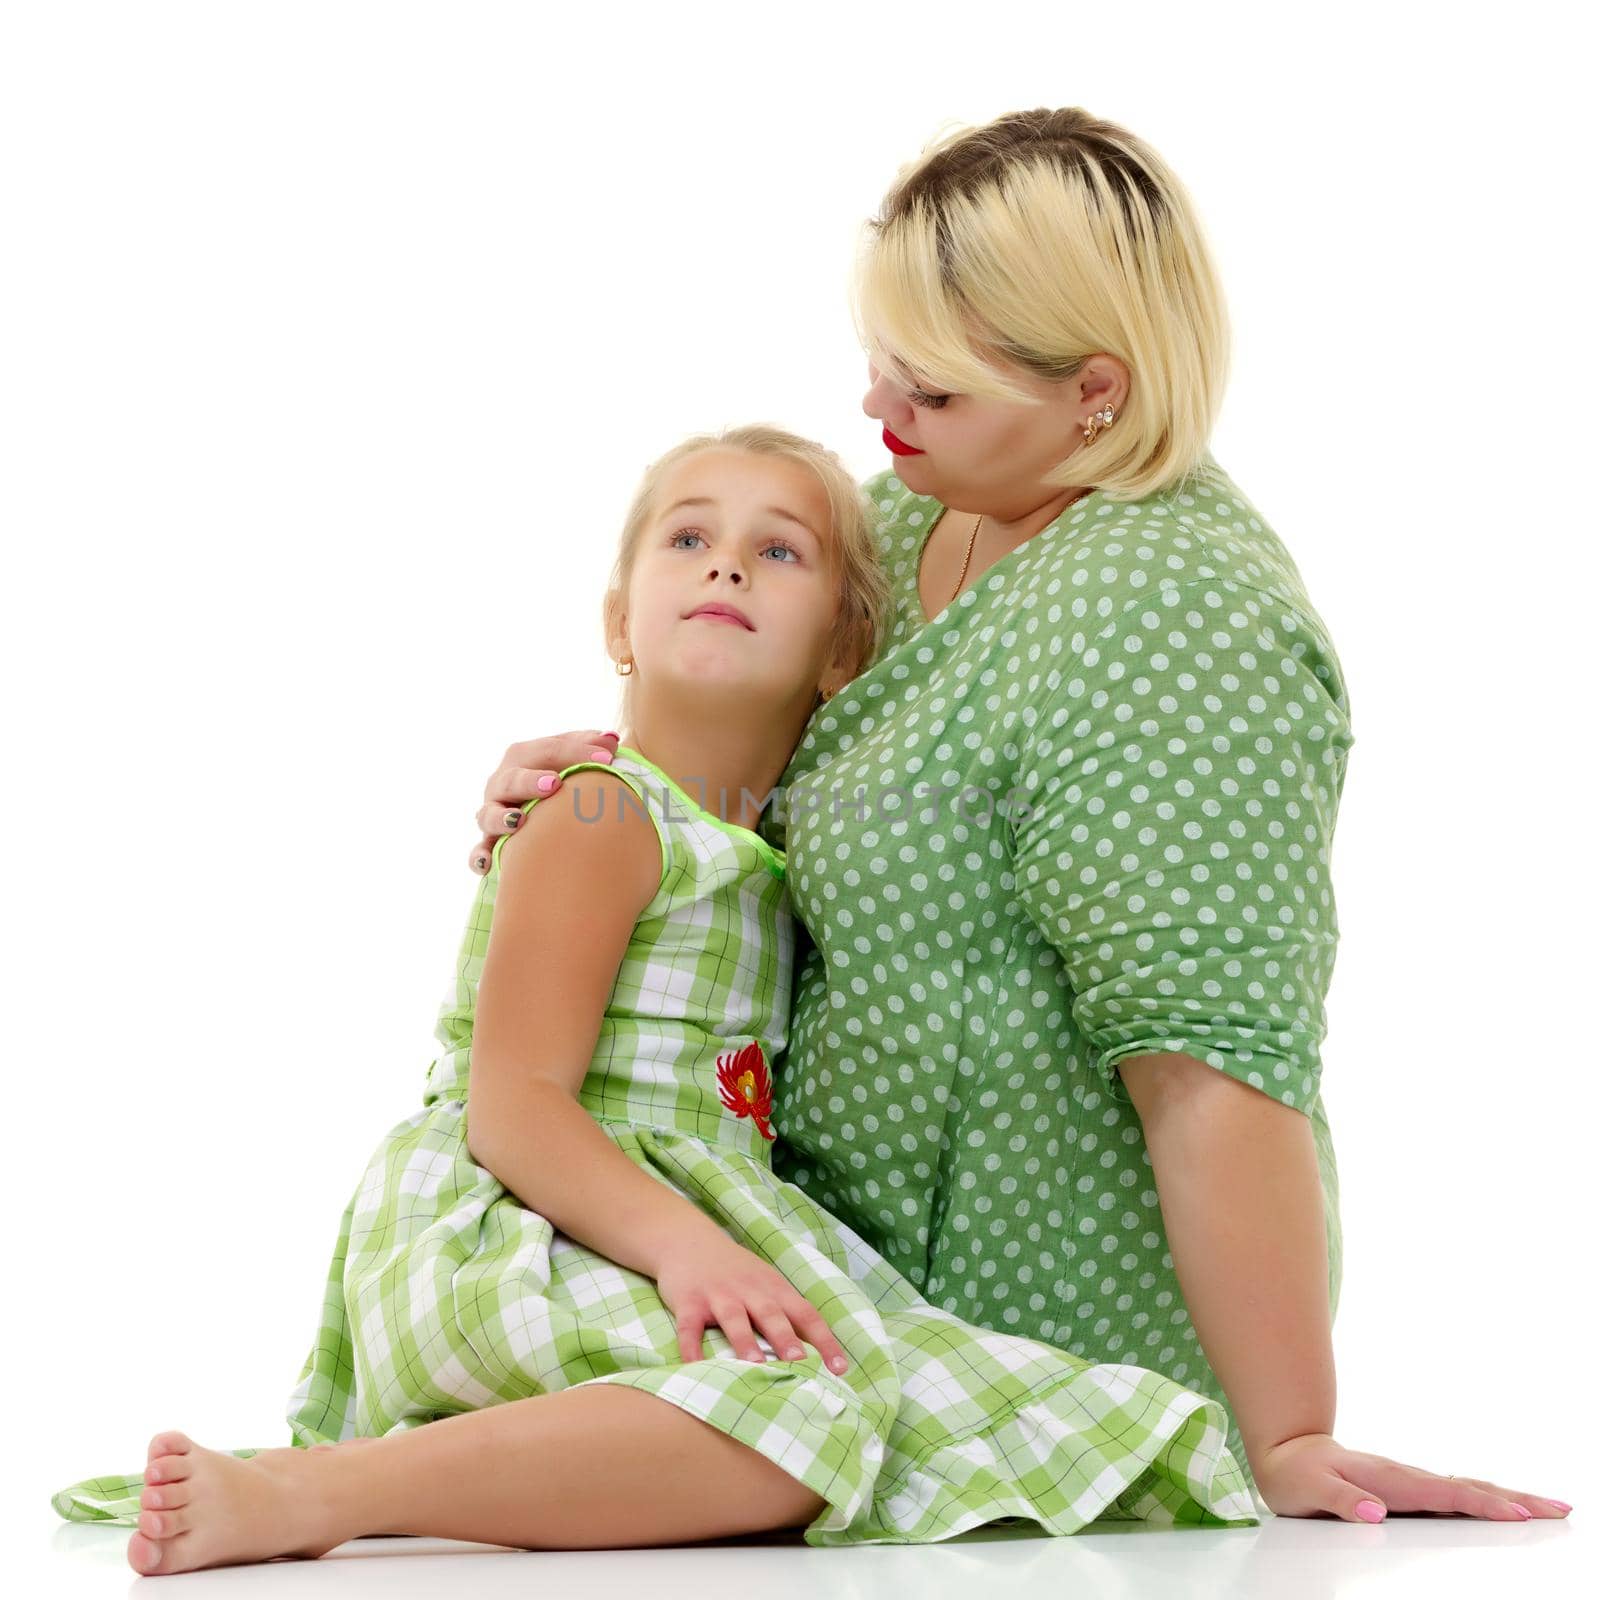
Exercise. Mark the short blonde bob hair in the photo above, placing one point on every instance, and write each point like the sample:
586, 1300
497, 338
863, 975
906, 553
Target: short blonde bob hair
860, 584
1036, 240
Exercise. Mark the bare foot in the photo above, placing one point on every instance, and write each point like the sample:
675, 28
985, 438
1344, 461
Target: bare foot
206, 1508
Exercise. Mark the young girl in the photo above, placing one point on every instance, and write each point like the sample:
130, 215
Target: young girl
582, 1221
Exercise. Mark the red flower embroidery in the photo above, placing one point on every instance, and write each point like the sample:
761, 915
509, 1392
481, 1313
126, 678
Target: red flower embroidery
746, 1086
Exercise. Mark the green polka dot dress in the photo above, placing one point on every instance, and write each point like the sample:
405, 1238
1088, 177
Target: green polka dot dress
1084, 813
445, 1294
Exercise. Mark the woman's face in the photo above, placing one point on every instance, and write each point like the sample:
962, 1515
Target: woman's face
978, 454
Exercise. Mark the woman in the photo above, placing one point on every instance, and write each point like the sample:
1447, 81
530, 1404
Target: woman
1063, 849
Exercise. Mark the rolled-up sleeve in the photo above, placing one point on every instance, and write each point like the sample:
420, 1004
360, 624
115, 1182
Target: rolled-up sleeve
1173, 826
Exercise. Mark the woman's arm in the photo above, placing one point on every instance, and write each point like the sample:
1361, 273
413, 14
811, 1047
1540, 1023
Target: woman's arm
569, 897
1174, 846
1241, 1197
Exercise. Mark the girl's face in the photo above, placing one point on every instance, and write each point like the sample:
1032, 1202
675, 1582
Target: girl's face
751, 533
979, 454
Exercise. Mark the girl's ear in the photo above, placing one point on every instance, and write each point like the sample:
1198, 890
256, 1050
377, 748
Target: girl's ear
616, 626
854, 656
841, 668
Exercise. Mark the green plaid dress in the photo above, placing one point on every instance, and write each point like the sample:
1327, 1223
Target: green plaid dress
445, 1294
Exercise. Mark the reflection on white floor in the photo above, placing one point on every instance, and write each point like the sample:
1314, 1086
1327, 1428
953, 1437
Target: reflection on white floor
1316, 1559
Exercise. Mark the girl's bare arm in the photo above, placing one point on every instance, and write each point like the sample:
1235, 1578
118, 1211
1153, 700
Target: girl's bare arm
570, 893
569, 896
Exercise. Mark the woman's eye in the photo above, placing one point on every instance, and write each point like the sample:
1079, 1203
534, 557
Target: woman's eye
921, 397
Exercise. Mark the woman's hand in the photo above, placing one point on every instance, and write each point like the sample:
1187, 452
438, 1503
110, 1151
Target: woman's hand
1314, 1475
518, 776
709, 1277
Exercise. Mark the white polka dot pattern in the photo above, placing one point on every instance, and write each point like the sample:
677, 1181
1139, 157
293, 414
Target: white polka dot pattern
1182, 786
1084, 813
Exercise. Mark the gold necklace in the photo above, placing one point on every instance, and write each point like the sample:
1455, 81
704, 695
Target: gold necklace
974, 539
968, 557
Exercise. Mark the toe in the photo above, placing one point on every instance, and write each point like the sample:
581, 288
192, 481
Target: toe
144, 1555
168, 1496
169, 1469
170, 1443
163, 1524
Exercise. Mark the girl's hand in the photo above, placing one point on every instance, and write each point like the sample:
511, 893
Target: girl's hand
1314, 1475
711, 1278
518, 777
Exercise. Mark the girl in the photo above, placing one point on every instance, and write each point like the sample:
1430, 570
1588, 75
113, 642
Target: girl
582, 1221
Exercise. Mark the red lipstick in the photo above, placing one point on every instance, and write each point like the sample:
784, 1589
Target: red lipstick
899, 446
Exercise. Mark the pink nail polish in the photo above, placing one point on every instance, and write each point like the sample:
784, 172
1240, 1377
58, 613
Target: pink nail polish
1561, 1505
599, 755
1522, 1511
1370, 1511
547, 783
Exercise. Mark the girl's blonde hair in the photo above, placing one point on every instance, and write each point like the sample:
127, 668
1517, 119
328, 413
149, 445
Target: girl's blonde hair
1039, 239
860, 584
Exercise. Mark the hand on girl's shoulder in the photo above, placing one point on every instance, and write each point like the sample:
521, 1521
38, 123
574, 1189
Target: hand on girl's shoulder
588, 844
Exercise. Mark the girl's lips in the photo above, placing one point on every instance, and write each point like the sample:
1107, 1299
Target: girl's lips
721, 611
899, 446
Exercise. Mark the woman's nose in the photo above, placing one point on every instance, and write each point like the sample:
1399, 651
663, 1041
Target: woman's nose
884, 403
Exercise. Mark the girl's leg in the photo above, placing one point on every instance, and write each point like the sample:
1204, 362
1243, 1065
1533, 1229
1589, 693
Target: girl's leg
583, 1469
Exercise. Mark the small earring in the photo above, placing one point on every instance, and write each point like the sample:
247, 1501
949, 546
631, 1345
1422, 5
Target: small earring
625, 667
1101, 419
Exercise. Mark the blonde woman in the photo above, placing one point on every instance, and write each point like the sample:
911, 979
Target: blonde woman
1063, 850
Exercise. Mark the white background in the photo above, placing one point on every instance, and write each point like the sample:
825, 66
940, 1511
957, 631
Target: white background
335, 338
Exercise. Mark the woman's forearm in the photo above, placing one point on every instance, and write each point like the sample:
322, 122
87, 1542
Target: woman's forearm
1241, 1195
557, 1160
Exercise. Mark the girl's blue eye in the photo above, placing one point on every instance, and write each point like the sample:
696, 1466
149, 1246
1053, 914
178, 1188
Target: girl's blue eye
776, 544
